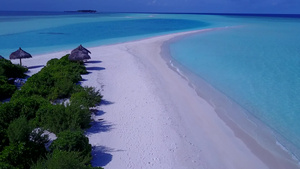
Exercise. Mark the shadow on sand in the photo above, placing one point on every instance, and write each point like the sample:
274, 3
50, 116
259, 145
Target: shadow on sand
95, 68
101, 156
105, 102
81, 82
34, 67
100, 125
94, 61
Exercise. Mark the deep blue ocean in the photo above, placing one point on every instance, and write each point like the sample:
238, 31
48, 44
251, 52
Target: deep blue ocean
254, 60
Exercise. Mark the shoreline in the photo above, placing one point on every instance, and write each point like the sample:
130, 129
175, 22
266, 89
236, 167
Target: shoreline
245, 126
144, 114
252, 140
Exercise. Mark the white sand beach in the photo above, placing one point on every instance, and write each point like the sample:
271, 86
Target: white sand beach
152, 118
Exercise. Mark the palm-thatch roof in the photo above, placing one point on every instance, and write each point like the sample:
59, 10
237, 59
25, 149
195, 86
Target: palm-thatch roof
80, 48
79, 54
19, 54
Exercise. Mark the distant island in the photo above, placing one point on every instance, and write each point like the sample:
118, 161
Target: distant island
84, 11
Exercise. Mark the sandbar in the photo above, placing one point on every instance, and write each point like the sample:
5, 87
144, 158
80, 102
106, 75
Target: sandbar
151, 117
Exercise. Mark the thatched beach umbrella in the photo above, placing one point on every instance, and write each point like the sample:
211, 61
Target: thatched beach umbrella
80, 48
79, 54
19, 54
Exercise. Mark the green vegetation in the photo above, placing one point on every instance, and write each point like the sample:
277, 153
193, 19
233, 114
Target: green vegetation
30, 111
56, 80
63, 160
6, 89
25, 145
72, 141
86, 97
58, 118
9, 71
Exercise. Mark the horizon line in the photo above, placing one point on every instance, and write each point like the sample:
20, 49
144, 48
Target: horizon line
203, 13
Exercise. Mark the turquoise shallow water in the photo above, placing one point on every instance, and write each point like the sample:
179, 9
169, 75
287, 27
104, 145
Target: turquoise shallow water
257, 65
43, 32
256, 62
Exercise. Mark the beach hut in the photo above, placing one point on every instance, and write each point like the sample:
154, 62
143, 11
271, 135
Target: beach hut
79, 54
19, 54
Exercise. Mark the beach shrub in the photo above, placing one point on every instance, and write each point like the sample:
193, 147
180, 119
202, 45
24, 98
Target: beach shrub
22, 106
86, 96
6, 89
72, 141
63, 160
18, 130
57, 118
64, 61
22, 155
4, 165
30, 110
55, 81
79, 115
25, 144
28, 106
13, 154
3, 138
7, 114
10, 70
62, 89
74, 65
74, 69
21, 130
39, 84
10, 111
52, 118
